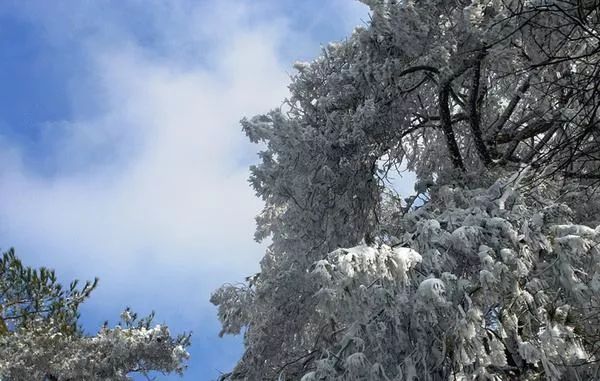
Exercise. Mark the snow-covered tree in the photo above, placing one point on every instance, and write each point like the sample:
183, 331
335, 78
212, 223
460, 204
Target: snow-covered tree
40, 339
491, 270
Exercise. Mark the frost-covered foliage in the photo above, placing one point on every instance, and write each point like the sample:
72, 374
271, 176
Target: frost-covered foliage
499, 294
491, 270
40, 339
468, 290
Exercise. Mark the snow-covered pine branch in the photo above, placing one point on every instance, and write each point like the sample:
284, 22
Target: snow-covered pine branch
40, 338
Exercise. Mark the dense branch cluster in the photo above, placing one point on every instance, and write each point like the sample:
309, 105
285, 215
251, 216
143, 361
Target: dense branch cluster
494, 105
493, 294
41, 340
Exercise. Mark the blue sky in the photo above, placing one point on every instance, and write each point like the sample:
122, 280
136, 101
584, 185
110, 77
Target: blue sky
120, 151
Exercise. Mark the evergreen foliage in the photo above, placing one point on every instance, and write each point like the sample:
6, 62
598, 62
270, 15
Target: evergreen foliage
40, 338
491, 270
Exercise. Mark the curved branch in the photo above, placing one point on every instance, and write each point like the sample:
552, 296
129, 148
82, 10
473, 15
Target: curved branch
414, 69
446, 118
474, 118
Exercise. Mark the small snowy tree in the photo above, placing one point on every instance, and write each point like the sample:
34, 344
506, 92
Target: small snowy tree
492, 269
41, 340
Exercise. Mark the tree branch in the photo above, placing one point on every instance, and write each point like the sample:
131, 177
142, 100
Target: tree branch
474, 118
446, 118
508, 111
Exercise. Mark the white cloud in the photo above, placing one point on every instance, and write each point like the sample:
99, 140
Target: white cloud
156, 176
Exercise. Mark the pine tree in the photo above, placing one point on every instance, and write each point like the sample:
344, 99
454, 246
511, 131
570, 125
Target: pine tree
40, 338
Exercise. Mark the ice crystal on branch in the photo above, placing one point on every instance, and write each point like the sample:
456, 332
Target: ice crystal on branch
494, 273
